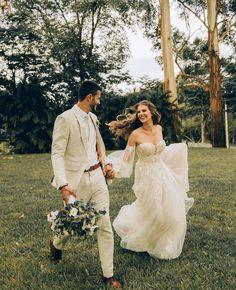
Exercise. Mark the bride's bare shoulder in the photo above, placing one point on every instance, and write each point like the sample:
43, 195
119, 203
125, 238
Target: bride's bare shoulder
159, 127
136, 132
133, 137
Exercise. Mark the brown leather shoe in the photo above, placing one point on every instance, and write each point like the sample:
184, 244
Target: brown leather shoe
55, 254
112, 282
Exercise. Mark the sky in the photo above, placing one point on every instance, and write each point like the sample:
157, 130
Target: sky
142, 61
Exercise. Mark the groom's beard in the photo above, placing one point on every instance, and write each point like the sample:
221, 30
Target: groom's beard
93, 107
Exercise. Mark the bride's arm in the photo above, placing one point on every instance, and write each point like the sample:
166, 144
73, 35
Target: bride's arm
123, 160
130, 148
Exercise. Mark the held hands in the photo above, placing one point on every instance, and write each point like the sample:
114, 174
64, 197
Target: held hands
108, 171
66, 191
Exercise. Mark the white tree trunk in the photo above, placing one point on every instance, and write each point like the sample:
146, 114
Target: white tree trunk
167, 53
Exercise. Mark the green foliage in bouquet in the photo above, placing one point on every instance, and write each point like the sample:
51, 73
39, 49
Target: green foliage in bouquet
75, 219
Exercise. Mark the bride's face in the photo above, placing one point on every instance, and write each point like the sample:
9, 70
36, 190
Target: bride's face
144, 114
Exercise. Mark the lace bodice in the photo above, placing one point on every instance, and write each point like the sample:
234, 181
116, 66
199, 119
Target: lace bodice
149, 151
123, 161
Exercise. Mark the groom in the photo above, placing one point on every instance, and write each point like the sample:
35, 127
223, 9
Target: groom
80, 167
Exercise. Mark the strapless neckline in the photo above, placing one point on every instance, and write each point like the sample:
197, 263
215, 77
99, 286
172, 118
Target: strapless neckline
144, 143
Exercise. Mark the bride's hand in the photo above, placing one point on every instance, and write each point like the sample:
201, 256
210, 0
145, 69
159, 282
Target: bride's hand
108, 171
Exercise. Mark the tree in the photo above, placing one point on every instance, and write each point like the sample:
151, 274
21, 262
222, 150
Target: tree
47, 49
155, 20
28, 118
215, 10
196, 111
218, 137
229, 96
193, 83
28, 100
86, 38
166, 47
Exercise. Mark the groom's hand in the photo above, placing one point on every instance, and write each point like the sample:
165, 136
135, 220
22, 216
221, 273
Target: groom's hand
66, 191
108, 171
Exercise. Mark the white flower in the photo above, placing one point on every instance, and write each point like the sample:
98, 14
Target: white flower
85, 226
65, 232
98, 123
92, 229
53, 225
52, 216
73, 212
71, 199
93, 220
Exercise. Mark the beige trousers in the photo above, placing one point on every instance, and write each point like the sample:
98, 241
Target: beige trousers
92, 187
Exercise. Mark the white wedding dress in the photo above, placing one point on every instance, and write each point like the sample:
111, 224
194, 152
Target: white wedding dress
156, 221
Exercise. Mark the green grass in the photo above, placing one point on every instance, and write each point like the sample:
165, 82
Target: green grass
208, 259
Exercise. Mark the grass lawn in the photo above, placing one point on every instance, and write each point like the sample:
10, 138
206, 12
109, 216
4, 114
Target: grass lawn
208, 260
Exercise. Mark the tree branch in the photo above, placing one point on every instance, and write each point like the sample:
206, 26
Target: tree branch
199, 82
64, 17
194, 13
94, 27
46, 22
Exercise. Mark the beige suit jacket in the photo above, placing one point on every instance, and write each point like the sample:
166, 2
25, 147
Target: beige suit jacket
69, 148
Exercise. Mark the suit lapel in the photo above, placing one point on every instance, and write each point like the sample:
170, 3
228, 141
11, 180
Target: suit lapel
100, 144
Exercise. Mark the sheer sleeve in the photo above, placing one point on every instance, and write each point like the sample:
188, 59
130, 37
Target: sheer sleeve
123, 161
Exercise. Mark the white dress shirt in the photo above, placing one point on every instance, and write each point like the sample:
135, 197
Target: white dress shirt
90, 132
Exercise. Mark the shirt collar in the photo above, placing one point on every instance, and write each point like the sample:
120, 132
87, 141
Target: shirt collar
81, 112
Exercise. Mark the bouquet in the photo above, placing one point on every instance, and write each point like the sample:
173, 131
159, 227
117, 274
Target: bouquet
76, 219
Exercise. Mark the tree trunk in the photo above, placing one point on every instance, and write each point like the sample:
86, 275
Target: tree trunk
218, 137
167, 53
203, 125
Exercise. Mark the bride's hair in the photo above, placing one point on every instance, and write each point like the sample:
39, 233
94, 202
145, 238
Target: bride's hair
129, 121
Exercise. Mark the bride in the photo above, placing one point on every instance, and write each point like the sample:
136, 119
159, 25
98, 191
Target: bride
156, 221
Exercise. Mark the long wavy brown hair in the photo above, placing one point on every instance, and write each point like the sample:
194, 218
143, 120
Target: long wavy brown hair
129, 121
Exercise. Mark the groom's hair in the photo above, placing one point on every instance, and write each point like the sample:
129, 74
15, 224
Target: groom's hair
87, 88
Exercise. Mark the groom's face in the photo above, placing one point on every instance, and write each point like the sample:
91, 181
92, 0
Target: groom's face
95, 100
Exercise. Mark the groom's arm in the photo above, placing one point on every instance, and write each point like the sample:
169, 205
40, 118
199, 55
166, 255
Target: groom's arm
61, 134
59, 143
